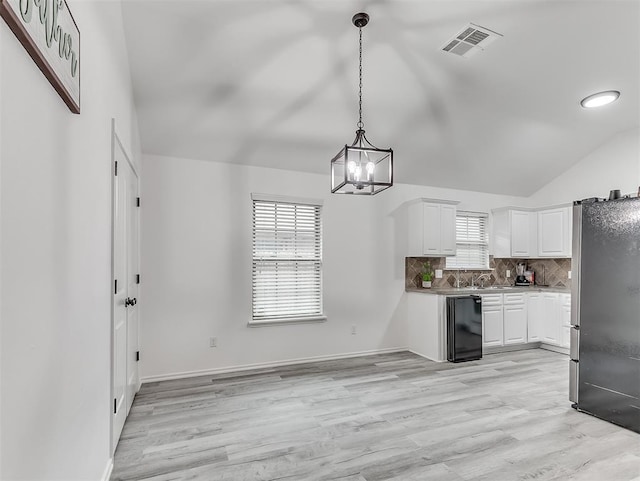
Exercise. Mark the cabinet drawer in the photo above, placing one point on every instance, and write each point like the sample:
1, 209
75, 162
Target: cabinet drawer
491, 300
514, 298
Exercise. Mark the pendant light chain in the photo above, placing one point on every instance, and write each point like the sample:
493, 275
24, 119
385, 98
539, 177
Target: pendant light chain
360, 123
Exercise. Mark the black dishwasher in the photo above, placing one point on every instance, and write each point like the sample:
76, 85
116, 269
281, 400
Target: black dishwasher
464, 328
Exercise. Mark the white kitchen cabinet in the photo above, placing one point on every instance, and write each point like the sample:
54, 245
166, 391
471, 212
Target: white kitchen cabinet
531, 233
492, 327
492, 320
432, 228
427, 325
523, 235
535, 317
514, 233
448, 229
551, 320
515, 319
554, 232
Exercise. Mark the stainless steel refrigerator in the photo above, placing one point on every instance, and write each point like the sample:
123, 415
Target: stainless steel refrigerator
605, 313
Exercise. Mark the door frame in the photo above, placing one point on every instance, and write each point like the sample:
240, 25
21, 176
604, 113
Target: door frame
116, 142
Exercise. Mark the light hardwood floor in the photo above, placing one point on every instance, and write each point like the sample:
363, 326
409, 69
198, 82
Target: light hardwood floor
385, 417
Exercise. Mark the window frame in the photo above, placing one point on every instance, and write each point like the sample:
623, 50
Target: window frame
485, 243
317, 205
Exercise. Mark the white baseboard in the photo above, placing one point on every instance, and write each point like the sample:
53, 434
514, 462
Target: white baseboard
107, 471
509, 348
263, 365
551, 347
425, 356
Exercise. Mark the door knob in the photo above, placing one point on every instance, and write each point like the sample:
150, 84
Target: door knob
130, 302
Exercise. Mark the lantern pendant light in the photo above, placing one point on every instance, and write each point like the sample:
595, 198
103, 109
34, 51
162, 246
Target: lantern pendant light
361, 168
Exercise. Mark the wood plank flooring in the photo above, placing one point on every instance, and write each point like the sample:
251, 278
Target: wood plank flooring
386, 417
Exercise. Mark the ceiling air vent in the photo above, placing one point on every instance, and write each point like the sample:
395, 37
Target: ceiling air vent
470, 40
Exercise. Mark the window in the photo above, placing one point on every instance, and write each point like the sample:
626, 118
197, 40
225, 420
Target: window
287, 260
472, 242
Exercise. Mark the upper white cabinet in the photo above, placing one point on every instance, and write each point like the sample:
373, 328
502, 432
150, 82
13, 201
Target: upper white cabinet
554, 232
432, 228
523, 238
514, 233
531, 234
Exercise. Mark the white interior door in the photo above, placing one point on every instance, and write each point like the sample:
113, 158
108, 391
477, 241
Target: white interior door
132, 245
119, 339
125, 379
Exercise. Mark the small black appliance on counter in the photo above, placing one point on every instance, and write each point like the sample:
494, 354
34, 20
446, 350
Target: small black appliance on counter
524, 277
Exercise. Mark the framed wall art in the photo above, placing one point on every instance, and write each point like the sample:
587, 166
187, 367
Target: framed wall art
50, 35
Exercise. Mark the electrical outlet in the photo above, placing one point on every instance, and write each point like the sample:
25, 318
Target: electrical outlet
213, 342
508, 273
438, 273
569, 274
353, 330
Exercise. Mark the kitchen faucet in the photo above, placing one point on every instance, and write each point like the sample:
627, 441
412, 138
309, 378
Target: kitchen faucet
480, 276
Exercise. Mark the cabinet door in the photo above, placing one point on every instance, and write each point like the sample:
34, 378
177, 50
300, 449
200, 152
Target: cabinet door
515, 324
448, 230
431, 229
535, 317
492, 331
521, 233
553, 232
551, 319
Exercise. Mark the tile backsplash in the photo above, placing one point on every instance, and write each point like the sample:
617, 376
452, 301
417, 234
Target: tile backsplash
552, 272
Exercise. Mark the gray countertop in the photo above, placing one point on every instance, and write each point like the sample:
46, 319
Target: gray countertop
452, 291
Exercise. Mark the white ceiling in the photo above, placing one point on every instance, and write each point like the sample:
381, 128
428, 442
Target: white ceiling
273, 83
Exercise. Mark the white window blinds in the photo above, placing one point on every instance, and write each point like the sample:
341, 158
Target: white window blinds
287, 261
472, 242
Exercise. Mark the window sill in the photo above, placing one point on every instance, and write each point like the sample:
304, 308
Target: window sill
288, 320
468, 269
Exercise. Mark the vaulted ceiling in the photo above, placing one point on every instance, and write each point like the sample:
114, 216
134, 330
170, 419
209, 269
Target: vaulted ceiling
274, 83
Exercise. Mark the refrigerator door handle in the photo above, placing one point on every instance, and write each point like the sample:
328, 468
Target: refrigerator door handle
576, 253
573, 382
574, 346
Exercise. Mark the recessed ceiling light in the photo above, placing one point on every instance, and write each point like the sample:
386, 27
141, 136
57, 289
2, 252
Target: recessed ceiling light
600, 99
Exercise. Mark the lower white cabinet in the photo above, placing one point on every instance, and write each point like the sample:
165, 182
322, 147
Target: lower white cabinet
535, 317
551, 318
492, 320
520, 318
504, 319
515, 324
492, 326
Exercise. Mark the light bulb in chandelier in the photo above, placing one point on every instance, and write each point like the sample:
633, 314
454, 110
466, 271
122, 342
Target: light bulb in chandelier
358, 172
371, 167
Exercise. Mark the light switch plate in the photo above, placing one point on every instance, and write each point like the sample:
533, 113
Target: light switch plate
569, 274
508, 273
438, 273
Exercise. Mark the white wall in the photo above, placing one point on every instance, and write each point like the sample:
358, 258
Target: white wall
55, 221
614, 165
196, 266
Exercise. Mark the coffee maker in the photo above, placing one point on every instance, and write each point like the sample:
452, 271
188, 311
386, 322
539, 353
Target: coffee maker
521, 279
